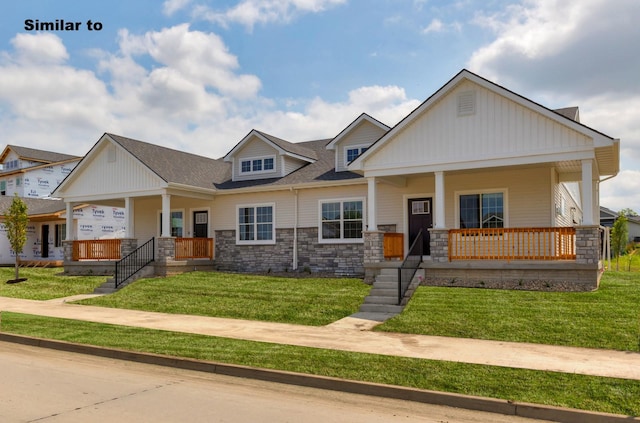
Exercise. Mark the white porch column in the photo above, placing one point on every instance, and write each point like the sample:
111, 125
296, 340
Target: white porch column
439, 208
166, 216
129, 213
70, 229
372, 210
587, 192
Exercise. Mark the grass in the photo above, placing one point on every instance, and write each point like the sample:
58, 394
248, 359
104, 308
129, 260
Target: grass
306, 301
607, 318
46, 284
558, 389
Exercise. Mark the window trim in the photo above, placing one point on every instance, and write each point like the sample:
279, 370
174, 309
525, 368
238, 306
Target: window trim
257, 172
346, 148
342, 240
254, 206
505, 203
60, 234
184, 221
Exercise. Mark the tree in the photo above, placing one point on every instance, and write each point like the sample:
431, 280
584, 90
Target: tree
619, 238
627, 213
16, 220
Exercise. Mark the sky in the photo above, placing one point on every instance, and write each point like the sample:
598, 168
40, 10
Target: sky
198, 75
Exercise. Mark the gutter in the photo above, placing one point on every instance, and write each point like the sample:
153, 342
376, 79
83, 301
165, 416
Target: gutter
295, 229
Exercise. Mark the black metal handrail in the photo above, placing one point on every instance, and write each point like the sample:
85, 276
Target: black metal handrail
410, 266
134, 262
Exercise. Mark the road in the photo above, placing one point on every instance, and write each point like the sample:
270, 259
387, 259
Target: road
42, 385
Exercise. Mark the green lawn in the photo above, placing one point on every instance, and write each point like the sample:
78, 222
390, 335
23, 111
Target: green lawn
557, 389
46, 284
607, 318
305, 301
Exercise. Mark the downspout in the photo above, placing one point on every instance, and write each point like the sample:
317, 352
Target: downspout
295, 229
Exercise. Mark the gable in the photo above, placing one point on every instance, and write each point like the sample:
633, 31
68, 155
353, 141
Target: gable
111, 171
255, 149
361, 136
472, 126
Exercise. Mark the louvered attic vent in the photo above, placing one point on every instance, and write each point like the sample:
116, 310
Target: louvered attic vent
467, 103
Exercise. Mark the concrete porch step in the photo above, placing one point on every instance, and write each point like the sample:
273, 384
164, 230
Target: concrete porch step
381, 300
385, 285
380, 308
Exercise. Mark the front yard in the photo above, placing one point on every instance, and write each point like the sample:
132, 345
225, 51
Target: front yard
607, 318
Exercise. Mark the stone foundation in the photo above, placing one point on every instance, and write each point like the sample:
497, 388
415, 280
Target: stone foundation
335, 259
530, 276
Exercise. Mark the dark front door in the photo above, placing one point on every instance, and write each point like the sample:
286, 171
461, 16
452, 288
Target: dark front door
200, 224
420, 217
44, 248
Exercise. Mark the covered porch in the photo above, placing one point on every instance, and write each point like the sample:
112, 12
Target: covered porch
177, 222
527, 238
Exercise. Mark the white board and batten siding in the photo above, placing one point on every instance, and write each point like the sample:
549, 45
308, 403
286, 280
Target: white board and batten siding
365, 134
474, 127
113, 173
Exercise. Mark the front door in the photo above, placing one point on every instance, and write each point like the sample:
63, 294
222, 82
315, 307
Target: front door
45, 242
200, 224
420, 217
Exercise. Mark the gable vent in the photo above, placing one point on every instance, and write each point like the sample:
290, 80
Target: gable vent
467, 103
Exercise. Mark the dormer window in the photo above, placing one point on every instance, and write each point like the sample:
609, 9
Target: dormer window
257, 165
352, 152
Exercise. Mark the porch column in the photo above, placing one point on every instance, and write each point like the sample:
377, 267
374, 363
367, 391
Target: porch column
69, 235
587, 192
372, 223
129, 213
439, 209
166, 216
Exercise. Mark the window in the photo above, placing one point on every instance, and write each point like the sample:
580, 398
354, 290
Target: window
352, 152
3, 187
61, 234
484, 210
18, 182
257, 165
341, 220
177, 224
256, 224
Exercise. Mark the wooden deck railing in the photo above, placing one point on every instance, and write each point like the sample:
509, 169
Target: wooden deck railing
393, 245
512, 244
194, 248
96, 249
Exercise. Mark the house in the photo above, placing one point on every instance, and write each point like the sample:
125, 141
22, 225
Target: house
33, 174
487, 186
608, 218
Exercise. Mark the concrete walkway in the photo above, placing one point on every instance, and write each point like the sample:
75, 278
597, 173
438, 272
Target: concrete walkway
353, 334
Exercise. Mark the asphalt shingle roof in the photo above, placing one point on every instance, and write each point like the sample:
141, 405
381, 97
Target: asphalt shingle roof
36, 155
35, 206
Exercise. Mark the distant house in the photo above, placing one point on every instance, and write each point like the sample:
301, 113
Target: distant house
499, 191
33, 174
608, 218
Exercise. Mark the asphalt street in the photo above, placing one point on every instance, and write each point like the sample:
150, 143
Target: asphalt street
43, 385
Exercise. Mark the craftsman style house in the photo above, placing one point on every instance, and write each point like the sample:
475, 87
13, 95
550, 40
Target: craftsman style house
494, 189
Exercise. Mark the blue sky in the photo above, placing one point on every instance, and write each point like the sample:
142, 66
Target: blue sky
198, 75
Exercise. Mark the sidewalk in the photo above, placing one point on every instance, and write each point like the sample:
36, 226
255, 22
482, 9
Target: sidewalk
353, 334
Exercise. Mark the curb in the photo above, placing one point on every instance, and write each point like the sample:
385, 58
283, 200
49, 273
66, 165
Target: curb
532, 411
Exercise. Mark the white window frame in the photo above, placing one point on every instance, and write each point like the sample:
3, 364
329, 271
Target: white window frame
255, 224
184, 221
257, 172
505, 203
342, 240
353, 147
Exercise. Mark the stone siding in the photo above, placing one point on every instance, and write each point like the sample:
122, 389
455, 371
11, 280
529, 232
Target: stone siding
336, 259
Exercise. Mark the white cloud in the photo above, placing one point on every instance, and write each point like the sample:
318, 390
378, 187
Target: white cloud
563, 53
192, 97
169, 7
435, 25
41, 48
252, 12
